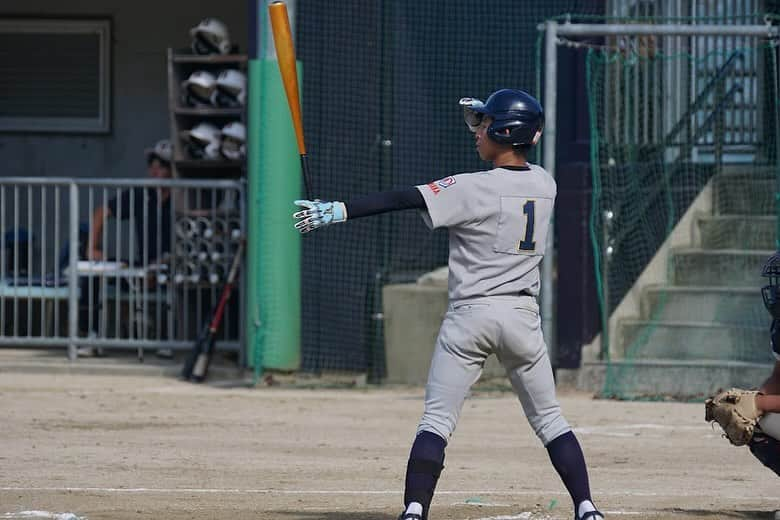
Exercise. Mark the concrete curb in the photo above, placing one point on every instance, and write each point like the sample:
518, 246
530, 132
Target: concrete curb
55, 361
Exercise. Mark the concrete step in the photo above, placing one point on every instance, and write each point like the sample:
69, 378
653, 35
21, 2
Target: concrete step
669, 379
688, 341
738, 231
752, 171
713, 304
744, 195
718, 267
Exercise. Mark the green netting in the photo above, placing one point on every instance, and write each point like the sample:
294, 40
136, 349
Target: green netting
683, 156
684, 165
380, 108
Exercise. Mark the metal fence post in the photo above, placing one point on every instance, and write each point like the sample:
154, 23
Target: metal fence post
73, 279
776, 120
550, 85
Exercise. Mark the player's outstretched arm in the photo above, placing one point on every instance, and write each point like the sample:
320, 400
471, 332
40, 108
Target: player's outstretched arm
319, 213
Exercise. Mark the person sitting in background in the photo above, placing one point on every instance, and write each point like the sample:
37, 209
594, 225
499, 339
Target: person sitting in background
152, 230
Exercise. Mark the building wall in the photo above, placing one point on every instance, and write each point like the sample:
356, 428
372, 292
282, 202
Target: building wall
142, 31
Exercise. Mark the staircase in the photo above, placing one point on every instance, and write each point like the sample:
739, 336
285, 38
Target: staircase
705, 328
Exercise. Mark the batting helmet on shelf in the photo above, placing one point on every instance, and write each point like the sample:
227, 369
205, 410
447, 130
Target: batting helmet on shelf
771, 291
230, 89
198, 89
518, 118
210, 36
234, 141
202, 141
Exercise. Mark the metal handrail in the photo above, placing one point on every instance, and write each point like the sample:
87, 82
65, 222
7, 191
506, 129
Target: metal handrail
123, 183
701, 99
650, 198
71, 200
717, 109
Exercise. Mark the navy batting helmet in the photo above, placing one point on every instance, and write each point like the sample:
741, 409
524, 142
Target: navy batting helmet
771, 291
517, 116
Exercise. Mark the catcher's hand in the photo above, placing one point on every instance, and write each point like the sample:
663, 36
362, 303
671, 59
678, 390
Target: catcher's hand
736, 412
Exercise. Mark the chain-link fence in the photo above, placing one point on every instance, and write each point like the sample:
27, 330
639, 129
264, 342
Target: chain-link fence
380, 103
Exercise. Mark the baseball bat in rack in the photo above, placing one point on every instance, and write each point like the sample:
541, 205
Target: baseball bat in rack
196, 365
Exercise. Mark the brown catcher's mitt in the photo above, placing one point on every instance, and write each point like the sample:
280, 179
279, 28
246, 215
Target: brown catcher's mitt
736, 412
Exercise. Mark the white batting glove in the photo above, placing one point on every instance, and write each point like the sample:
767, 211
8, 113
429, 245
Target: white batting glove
318, 214
473, 119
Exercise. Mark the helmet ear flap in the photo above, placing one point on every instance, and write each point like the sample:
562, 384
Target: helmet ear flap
504, 132
201, 46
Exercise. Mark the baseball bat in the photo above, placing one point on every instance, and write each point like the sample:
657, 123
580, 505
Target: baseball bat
197, 364
285, 55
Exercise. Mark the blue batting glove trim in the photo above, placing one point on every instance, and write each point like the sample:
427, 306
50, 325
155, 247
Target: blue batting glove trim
339, 212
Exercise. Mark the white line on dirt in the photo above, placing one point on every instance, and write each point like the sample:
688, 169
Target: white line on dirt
640, 426
479, 504
41, 514
521, 516
648, 430
238, 491
541, 516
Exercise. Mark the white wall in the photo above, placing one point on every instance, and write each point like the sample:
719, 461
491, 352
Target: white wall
142, 31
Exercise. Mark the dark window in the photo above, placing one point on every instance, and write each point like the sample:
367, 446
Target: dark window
54, 75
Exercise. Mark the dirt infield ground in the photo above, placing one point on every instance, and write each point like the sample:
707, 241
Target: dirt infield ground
152, 447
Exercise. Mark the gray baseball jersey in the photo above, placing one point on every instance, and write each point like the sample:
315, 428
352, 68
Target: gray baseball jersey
498, 223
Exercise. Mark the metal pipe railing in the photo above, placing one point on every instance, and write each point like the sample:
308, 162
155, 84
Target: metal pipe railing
701, 99
124, 183
73, 280
584, 29
549, 144
133, 295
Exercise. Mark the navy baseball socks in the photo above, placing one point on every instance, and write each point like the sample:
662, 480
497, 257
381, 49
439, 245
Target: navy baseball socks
426, 460
568, 460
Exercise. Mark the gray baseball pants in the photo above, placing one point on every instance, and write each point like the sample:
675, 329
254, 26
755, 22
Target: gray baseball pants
510, 328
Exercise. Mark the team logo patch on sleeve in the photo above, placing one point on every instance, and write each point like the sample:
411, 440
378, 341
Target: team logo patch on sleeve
446, 182
437, 186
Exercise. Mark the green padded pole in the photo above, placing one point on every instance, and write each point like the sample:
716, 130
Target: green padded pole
274, 253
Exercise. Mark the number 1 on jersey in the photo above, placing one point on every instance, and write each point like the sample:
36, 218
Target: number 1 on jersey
528, 243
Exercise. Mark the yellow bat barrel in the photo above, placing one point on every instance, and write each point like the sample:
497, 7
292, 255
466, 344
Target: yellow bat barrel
285, 54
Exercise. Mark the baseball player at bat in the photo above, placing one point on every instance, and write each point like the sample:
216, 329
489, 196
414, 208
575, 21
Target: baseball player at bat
752, 417
498, 222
